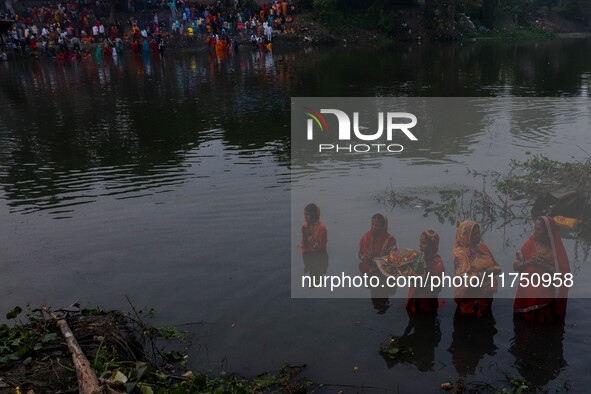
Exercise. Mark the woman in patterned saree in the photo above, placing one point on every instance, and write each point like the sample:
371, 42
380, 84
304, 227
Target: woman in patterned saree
474, 258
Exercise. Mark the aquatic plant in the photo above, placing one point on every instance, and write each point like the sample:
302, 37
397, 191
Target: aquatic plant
533, 187
454, 205
395, 348
19, 342
550, 187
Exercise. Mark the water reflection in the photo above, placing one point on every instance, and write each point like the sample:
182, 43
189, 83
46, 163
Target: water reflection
422, 336
472, 339
538, 351
315, 264
380, 296
552, 68
79, 131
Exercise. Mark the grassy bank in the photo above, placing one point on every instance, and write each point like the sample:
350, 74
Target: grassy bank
522, 34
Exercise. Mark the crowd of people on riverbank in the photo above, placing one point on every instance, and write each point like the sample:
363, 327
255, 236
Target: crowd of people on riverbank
62, 30
543, 255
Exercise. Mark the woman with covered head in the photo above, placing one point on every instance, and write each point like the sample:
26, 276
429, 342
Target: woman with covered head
314, 241
543, 253
423, 299
375, 243
474, 258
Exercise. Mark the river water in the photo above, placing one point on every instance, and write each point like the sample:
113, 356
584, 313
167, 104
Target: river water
169, 180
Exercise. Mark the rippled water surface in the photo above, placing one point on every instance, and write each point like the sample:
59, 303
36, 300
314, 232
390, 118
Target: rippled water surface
168, 180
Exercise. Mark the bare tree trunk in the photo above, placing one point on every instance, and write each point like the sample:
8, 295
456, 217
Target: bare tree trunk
87, 380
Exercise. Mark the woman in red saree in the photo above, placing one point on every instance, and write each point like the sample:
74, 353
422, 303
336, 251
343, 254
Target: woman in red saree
542, 253
474, 258
154, 45
422, 299
375, 243
314, 241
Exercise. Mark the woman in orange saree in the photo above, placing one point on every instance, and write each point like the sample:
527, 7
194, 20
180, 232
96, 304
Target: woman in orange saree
543, 253
314, 241
474, 258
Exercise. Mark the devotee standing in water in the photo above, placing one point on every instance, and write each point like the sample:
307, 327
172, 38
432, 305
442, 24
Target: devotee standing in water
423, 299
375, 243
542, 254
474, 258
314, 242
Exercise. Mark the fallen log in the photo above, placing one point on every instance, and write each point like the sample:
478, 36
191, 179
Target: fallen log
87, 380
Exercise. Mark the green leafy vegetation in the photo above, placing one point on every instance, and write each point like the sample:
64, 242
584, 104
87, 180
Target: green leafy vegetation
124, 352
550, 187
530, 34
382, 41
19, 342
508, 386
504, 20
342, 16
535, 173
453, 205
395, 348
533, 187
